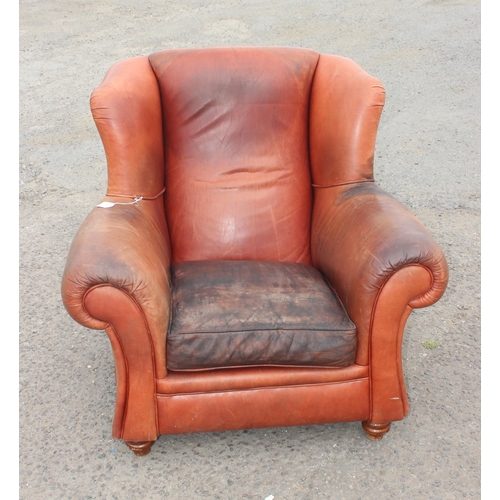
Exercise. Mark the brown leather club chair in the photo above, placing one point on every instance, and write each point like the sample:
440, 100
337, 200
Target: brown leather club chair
246, 267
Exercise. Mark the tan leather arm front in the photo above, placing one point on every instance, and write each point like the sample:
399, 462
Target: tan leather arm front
125, 247
360, 237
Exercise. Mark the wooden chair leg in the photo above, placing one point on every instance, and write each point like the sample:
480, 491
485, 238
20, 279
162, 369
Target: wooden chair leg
376, 432
140, 448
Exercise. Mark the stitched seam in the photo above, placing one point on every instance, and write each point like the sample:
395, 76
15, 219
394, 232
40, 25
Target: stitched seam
309, 155
117, 195
370, 330
162, 123
202, 393
264, 330
171, 316
127, 378
400, 367
150, 342
259, 365
344, 183
109, 325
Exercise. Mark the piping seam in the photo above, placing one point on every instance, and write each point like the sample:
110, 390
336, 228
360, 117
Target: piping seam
136, 196
343, 183
370, 331
277, 387
151, 345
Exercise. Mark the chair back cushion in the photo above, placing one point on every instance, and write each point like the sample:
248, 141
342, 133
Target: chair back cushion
235, 124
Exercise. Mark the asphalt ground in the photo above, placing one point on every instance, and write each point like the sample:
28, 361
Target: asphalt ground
428, 55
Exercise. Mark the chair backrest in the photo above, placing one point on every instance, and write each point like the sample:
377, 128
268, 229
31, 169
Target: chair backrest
235, 125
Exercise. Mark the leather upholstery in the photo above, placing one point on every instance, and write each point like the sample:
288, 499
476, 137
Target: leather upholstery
255, 313
277, 406
246, 154
387, 238
255, 377
127, 111
126, 247
235, 127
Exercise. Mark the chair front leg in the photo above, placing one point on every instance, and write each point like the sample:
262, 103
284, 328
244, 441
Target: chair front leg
140, 448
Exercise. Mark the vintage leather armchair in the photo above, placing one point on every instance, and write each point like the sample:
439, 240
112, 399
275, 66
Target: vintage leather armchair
246, 267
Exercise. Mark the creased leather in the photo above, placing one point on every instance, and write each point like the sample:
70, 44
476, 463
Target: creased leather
255, 313
127, 112
126, 247
240, 138
237, 168
135, 410
361, 235
267, 407
346, 104
254, 377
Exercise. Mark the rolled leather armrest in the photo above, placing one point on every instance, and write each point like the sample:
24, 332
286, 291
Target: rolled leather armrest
126, 247
361, 236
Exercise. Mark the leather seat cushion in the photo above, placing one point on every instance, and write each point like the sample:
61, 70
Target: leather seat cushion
255, 313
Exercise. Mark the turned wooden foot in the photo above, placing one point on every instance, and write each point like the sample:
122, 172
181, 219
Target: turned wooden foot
140, 448
375, 432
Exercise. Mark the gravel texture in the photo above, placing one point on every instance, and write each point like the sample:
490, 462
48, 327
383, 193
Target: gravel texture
427, 54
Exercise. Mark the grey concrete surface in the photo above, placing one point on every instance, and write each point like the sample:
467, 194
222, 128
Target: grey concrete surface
427, 54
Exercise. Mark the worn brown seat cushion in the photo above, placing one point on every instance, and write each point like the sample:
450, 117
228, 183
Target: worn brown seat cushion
254, 313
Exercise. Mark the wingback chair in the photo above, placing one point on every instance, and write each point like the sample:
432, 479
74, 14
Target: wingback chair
246, 267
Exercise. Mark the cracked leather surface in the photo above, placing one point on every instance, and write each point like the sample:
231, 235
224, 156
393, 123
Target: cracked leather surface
248, 313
